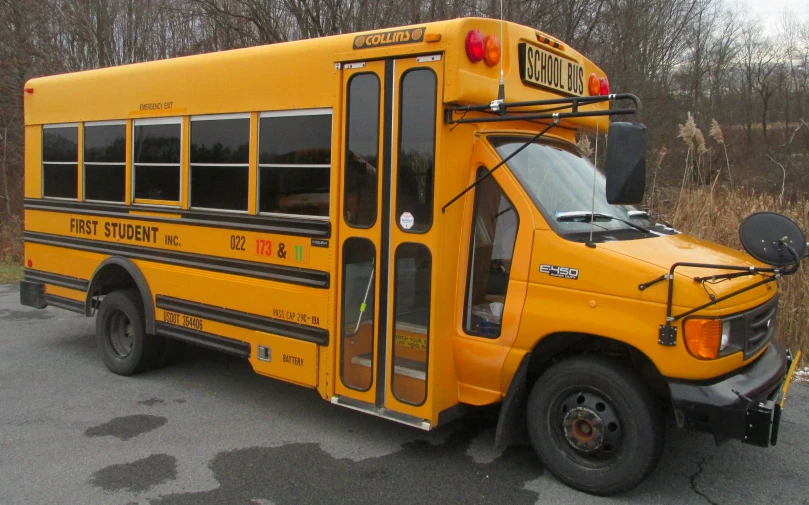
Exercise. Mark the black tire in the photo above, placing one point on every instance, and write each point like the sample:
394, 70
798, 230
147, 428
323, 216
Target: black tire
595, 425
120, 334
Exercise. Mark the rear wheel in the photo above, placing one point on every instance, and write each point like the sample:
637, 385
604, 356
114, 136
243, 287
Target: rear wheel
594, 425
120, 334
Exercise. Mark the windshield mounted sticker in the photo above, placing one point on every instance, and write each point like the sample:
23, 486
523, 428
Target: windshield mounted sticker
561, 272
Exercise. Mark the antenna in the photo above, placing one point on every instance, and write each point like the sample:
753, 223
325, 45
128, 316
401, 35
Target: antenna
593, 205
501, 90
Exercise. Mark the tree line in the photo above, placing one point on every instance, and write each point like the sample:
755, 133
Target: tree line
708, 58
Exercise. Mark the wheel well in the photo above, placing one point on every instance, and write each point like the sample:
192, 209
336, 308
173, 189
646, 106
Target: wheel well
511, 425
558, 346
112, 278
116, 274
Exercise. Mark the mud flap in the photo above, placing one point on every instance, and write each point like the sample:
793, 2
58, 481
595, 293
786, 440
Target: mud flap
511, 427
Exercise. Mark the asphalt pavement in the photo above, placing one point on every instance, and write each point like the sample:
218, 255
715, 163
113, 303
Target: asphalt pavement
209, 431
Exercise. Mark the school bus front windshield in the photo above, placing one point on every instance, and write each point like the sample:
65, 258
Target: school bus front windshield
569, 190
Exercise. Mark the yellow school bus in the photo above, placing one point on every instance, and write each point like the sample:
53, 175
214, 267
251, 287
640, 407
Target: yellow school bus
401, 220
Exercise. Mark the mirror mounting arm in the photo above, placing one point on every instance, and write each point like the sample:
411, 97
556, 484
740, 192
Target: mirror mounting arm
668, 332
561, 108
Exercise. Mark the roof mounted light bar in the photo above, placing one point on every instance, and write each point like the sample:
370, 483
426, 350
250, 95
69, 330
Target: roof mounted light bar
555, 108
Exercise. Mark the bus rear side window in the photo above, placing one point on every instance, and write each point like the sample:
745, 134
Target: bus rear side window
220, 170
105, 162
60, 161
156, 159
295, 163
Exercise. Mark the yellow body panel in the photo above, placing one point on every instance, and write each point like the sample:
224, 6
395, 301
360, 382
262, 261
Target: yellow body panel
292, 360
241, 270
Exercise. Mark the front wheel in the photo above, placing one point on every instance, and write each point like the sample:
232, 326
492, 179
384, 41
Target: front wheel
594, 425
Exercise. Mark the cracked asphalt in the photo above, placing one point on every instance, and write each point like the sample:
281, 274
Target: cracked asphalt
208, 430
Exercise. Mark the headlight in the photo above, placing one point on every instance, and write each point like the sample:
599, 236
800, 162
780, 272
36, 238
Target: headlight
706, 338
725, 339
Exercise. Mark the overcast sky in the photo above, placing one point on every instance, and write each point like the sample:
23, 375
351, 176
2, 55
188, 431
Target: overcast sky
769, 10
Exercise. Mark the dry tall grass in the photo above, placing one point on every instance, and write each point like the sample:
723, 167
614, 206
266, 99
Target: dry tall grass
713, 212
715, 215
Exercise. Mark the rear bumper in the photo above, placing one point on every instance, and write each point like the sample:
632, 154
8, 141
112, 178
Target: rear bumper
745, 406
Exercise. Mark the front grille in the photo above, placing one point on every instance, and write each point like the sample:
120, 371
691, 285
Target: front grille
759, 325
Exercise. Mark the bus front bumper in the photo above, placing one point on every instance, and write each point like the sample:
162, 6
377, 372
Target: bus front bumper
745, 406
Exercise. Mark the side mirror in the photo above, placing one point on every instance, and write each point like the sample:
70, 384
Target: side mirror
626, 163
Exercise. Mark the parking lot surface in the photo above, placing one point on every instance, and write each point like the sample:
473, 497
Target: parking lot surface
209, 431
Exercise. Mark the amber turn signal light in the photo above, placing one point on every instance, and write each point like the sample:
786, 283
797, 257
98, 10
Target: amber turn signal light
593, 86
491, 50
703, 337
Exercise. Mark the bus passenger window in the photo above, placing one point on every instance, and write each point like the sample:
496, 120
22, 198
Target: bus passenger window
494, 232
156, 159
416, 166
295, 162
362, 151
105, 162
60, 161
220, 152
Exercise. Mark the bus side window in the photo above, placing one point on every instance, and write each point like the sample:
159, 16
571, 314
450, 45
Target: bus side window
494, 232
60, 161
295, 162
220, 170
105, 162
156, 159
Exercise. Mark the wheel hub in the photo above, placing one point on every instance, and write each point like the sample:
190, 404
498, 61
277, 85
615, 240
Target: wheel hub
590, 425
120, 334
583, 429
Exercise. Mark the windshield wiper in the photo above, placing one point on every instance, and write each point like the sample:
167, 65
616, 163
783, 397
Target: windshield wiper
586, 217
638, 214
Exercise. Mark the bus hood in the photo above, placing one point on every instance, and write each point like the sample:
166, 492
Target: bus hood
667, 250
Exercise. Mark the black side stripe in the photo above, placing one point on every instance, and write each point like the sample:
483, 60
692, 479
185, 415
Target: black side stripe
278, 273
281, 225
65, 303
246, 320
204, 339
53, 279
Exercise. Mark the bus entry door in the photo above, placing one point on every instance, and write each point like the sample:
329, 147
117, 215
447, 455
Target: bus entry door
387, 238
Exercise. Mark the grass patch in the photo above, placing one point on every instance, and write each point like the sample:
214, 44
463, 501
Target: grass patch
11, 251
10, 274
